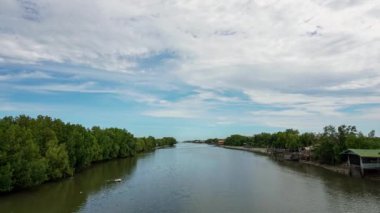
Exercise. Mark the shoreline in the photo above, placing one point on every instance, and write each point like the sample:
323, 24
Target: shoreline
337, 169
92, 165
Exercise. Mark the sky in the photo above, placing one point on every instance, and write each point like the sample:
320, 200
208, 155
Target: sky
193, 69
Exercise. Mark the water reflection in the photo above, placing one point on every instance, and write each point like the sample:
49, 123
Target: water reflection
334, 181
70, 194
340, 192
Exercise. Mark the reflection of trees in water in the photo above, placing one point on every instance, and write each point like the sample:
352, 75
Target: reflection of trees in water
335, 182
342, 193
69, 194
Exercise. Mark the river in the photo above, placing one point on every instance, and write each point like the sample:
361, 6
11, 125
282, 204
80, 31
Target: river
199, 178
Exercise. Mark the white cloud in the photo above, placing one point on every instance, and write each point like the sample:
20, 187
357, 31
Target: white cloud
7, 106
171, 113
289, 113
86, 87
307, 57
357, 84
92, 87
193, 106
25, 75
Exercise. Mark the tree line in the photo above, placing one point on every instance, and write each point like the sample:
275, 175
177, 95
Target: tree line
326, 146
36, 150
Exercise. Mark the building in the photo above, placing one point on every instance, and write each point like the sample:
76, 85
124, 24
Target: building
305, 153
221, 142
363, 159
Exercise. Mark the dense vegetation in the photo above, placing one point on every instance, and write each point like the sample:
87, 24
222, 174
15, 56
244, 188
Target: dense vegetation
33, 151
326, 146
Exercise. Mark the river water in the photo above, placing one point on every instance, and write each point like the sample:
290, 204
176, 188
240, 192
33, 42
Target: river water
200, 178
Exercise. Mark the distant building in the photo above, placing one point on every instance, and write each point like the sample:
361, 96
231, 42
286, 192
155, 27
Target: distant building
306, 152
221, 142
363, 159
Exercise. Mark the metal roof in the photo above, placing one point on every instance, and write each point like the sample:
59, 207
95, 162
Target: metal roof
369, 153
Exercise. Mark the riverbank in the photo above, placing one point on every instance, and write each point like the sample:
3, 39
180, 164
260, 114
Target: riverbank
338, 169
78, 172
249, 149
43, 149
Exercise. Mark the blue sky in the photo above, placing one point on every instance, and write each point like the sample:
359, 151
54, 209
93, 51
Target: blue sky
193, 69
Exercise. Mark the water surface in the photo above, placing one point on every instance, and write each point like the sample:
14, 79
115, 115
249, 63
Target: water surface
200, 178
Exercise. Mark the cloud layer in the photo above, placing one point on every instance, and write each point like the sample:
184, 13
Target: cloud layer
269, 63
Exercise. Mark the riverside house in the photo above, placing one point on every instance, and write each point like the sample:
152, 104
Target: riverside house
221, 142
363, 160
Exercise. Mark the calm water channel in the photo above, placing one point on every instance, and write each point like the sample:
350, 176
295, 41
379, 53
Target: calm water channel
200, 178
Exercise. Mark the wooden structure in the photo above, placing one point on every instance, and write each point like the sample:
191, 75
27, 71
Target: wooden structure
305, 153
284, 154
221, 142
363, 159
291, 156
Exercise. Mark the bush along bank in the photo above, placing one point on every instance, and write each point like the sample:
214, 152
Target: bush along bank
324, 148
36, 150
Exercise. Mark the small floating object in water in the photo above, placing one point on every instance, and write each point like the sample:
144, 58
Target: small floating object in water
115, 180
80, 192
